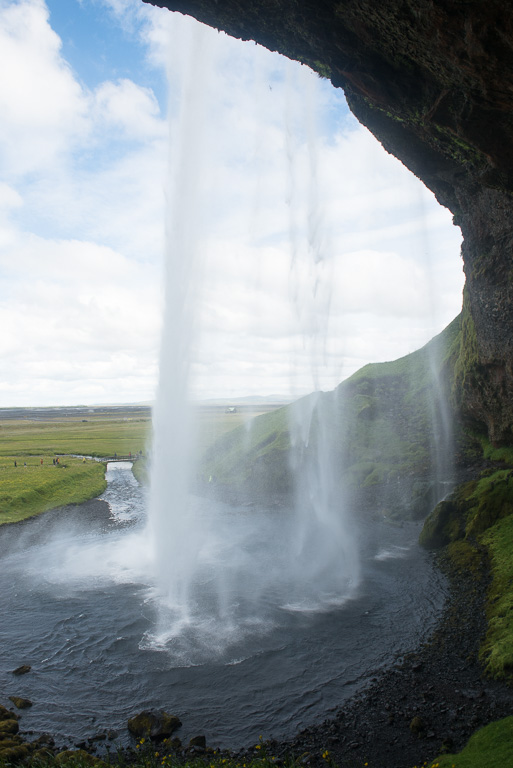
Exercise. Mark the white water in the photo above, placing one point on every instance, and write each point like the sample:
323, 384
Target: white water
222, 575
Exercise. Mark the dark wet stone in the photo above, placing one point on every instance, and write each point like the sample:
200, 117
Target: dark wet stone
22, 670
45, 738
156, 725
198, 741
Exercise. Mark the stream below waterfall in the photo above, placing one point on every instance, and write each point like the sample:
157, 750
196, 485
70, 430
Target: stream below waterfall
80, 615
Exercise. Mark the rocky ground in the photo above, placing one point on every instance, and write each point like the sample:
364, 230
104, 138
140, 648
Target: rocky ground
427, 703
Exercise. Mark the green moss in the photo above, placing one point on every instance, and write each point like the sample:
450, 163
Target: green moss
467, 358
491, 501
443, 526
497, 650
466, 557
504, 453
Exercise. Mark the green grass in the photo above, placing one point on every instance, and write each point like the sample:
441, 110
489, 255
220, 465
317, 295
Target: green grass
490, 747
29, 490
99, 436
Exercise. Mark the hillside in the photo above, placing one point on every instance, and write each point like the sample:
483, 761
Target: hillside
385, 429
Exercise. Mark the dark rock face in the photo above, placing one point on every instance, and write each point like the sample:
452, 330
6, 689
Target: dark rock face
433, 80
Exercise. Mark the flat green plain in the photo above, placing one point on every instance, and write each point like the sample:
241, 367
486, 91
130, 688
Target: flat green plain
30, 441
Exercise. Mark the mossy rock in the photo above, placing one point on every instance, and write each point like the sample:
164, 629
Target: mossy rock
467, 557
443, 526
14, 754
154, 725
6, 714
78, 757
20, 703
14, 741
417, 726
9, 726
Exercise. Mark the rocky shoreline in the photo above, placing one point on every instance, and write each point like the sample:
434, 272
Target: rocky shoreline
429, 702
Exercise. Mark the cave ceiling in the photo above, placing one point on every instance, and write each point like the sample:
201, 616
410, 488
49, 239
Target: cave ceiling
433, 81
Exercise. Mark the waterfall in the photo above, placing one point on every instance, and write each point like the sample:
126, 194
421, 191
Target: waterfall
225, 574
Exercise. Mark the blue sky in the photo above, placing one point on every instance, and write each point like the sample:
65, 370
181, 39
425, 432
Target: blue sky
316, 251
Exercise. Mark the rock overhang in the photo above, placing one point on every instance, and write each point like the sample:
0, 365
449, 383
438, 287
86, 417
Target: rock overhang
433, 81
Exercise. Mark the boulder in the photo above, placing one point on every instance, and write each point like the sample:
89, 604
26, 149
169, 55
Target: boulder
156, 725
14, 754
5, 714
22, 670
417, 726
20, 703
9, 726
199, 742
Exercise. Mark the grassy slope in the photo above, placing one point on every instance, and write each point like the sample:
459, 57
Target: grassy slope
379, 424
27, 491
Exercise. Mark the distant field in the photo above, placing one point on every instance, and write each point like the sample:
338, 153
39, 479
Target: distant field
101, 433
213, 421
29, 435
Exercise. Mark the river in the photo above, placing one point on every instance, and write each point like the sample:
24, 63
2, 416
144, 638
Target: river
80, 614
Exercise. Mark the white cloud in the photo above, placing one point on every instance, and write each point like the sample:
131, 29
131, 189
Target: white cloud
285, 209
131, 109
43, 108
84, 314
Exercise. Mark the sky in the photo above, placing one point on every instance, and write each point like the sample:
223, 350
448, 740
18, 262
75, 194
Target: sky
135, 141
